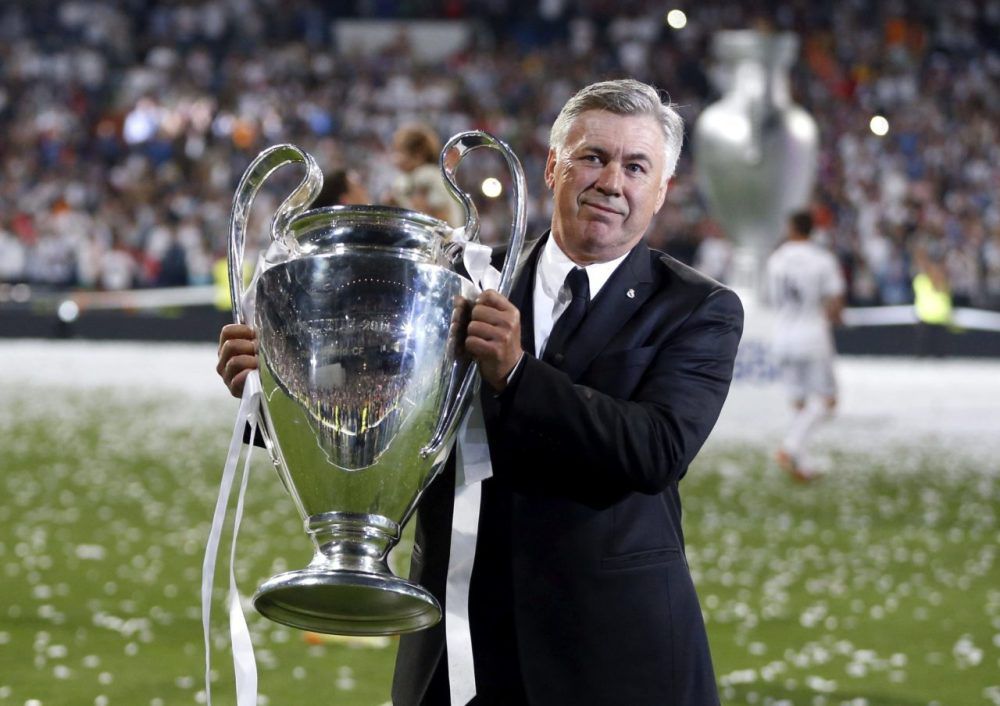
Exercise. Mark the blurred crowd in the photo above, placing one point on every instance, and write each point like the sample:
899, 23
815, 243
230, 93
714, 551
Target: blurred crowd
127, 124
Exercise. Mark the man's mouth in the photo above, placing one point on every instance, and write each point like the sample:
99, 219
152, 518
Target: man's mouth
601, 207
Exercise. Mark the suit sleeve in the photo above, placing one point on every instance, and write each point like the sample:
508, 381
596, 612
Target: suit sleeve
580, 437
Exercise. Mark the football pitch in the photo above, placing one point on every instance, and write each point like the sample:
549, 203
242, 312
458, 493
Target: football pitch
878, 585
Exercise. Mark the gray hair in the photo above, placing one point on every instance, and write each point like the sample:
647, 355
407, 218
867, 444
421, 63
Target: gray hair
624, 97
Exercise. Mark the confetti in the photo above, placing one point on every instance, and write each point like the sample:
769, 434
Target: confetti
881, 579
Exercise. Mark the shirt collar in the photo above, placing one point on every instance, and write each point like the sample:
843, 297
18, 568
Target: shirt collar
554, 265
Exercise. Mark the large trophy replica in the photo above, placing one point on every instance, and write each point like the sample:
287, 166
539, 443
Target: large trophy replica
755, 155
755, 151
359, 317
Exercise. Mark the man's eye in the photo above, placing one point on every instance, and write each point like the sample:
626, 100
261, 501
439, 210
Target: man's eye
636, 168
591, 158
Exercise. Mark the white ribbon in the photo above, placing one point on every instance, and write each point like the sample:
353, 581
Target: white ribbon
472, 466
244, 664
477, 259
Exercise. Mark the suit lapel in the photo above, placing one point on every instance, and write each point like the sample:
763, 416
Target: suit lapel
521, 294
620, 297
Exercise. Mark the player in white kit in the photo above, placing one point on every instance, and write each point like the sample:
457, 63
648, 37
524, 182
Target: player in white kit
806, 288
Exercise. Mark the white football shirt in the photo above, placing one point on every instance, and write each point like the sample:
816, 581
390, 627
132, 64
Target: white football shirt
801, 277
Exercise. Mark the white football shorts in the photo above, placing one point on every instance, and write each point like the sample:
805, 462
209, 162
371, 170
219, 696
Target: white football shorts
809, 377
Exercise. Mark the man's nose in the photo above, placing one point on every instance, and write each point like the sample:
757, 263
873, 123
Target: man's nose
609, 181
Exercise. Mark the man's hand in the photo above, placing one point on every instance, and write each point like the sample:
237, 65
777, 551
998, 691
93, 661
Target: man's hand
237, 356
494, 337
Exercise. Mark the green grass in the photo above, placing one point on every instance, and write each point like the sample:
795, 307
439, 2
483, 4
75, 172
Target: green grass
879, 585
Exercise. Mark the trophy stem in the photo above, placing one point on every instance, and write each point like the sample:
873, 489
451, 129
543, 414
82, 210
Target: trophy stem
348, 588
352, 541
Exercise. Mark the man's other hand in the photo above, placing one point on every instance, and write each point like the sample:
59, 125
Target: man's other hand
494, 337
237, 356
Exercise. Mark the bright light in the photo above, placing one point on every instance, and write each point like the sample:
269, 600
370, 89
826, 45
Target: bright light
677, 19
879, 125
68, 311
491, 187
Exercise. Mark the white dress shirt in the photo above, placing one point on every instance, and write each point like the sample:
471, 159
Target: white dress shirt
551, 296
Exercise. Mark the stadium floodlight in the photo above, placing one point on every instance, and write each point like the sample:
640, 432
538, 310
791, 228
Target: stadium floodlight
677, 19
879, 125
491, 187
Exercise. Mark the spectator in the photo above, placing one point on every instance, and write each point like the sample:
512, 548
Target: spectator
415, 152
932, 302
12, 257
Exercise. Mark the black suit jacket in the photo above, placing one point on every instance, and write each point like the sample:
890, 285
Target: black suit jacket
581, 592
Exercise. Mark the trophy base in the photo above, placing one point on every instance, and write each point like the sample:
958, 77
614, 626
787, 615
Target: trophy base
346, 602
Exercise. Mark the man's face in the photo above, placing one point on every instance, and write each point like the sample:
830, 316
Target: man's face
607, 183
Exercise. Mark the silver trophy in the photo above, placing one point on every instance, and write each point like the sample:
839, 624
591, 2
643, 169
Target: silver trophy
360, 314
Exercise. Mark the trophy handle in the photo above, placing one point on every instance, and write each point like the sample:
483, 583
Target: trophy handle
266, 163
451, 156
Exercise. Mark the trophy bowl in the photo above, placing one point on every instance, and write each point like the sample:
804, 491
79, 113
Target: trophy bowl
360, 316
357, 364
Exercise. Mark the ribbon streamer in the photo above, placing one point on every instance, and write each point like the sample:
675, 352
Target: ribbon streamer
244, 663
472, 466
477, 259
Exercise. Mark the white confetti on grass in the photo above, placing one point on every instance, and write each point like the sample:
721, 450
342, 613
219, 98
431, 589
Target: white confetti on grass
763, 559
345, 679
966, 653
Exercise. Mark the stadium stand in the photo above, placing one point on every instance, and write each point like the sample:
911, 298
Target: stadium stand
127, 124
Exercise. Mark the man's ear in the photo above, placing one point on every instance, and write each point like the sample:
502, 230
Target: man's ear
550, 169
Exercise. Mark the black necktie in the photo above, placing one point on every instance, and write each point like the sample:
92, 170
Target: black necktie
579, 286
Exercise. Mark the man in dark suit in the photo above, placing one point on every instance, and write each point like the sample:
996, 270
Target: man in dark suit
604, 373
